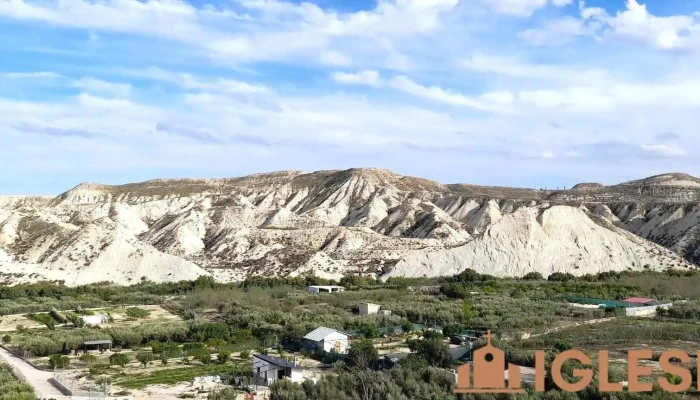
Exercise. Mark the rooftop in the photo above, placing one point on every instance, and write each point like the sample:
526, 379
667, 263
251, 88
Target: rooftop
280, 362
96, 342
322, 332
326, 287
641, 300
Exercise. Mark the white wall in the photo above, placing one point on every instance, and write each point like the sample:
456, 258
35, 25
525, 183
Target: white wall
93, 319
643, 311
330, 341
297, 375
367, 309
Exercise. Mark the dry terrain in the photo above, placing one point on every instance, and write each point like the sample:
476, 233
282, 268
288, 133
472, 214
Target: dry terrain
332, 223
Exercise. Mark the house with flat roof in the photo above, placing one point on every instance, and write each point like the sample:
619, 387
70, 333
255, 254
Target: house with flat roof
98, 319
369, 308
328, 340
325, 289
268, 369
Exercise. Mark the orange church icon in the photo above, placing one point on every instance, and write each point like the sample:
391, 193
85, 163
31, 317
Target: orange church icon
489, 372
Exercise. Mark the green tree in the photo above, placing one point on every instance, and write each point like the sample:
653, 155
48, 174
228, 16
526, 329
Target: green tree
433, 349
135, 312
455, 291
370, 331
204, 357
533, 276
59, 361
362, 354
88, 359
286, 390
467, 310
119, 359
144, 358
223, 356
7, 339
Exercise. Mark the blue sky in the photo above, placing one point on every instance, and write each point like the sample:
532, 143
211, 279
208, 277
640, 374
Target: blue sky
501, 92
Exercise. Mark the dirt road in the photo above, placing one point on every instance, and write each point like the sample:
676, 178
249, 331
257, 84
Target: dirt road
36, 378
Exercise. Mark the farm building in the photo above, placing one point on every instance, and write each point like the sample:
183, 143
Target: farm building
633, 306
390, 360
326, 289
98, 319
271, 369
328, 340
369, 308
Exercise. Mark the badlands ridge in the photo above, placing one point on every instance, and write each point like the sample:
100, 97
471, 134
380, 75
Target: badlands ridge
332, 223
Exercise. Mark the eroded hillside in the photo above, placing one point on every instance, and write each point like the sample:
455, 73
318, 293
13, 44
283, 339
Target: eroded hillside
332, 223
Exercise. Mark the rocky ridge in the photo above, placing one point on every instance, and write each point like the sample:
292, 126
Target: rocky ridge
331, 223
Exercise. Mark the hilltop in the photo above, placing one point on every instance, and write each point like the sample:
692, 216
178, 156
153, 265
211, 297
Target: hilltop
332, 223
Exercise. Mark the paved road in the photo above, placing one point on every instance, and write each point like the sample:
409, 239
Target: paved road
37, 378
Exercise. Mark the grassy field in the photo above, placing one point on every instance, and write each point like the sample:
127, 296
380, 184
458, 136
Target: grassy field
173, 376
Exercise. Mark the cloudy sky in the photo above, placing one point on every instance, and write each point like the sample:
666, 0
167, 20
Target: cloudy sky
501, 92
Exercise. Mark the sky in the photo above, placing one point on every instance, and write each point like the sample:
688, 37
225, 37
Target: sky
531, 93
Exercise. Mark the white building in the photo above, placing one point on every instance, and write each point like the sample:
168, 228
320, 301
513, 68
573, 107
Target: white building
98, 319
328, 340
369, 308
326, 289
271, 369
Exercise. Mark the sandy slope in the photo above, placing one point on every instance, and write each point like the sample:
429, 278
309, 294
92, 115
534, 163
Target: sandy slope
332, 223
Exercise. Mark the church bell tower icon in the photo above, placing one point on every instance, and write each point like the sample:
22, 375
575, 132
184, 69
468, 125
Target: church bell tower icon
489, 375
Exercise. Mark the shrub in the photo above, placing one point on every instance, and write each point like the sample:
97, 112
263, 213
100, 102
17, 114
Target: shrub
223, 356
210, 330
57, 317
533, 276
7, 339
455, 291
88, 359
98, 369
135, 312
216, 343
204, 357
362, 354
119, 359
245, 354
59, 361
144, 358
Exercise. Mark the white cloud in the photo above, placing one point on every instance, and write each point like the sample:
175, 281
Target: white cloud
367, 77
440, 95
663, 150
556, 32
190, 82
98, 86
493, 102
515, 68
522, 8
29, 75
633, 23
667, 33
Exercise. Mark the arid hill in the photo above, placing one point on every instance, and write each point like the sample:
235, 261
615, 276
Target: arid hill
332, 223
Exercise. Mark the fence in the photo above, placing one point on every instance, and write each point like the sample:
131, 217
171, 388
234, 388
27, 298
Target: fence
70, 386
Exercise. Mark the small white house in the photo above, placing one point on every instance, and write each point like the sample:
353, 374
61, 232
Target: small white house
369, 308
328, 340
98, 319
326, 289
272, 369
